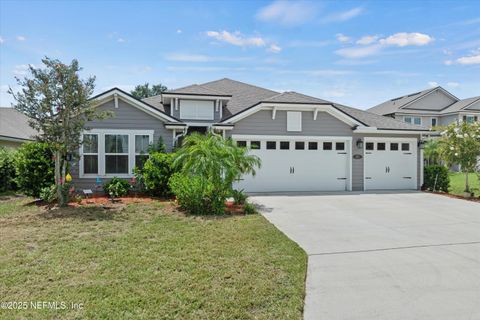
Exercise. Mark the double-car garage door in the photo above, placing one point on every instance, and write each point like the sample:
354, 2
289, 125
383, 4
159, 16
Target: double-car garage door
302, 164
325, 164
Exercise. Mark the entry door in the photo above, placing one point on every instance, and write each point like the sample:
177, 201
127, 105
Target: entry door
298, 165
390, 164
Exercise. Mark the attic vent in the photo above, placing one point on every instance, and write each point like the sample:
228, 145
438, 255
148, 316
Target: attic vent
413, 94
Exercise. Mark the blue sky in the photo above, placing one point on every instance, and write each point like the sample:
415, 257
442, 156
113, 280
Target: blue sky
359, 53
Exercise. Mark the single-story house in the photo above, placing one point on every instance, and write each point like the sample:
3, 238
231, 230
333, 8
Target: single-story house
14, 128
304, 143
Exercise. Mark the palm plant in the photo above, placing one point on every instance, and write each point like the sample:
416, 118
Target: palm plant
432, 152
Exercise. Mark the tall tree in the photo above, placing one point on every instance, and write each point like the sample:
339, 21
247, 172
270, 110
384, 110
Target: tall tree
56, 101
460, 144
144, 90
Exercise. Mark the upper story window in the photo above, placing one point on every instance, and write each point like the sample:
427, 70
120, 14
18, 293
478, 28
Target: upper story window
196, 110
470, 119
413, 120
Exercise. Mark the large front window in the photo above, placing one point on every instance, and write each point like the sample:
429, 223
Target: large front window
109, 152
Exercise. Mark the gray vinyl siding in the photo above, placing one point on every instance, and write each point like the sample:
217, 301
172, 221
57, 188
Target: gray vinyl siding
216, 114
446, 120
434, 101
261, 122
124, 117
475, 106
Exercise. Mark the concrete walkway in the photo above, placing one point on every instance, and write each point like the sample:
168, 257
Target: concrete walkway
384, 256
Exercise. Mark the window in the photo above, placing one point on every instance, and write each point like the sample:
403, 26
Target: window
284, 145
196, 109
434, 122
340, 146
327, 146
381, 146
242, 144
142, 142
407, 119
393, 146
116, 153
299, 145
90, 153
369, 146
294, 121
271, 145
405, 146
255, 145
469, 119
417, 120
312, 145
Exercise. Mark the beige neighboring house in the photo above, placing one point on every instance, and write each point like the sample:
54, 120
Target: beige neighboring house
14, 128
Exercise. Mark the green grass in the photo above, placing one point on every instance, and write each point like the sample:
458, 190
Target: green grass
457, 183
145, 261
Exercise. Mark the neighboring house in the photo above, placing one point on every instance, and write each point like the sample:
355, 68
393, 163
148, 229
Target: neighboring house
305, 143
14, 128
430, 108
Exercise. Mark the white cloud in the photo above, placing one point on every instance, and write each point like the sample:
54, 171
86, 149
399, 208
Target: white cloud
433, 84
274, 48
448, 62
474, 59
359, 52
179, 31
20, 70
237, 39
344, 15
403, 39
288, 13
366, 40
1, 40
21, 38
453, 84
342, 38
120, 40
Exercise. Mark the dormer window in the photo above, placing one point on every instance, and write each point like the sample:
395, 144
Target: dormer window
197, 109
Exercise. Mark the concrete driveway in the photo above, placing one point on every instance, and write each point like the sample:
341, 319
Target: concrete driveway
384, 256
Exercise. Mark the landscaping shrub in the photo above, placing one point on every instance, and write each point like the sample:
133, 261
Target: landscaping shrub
7, 170
249, 208
49, 194
117, 187
155, 174
239, 197
34, 168
436, 178
197, 195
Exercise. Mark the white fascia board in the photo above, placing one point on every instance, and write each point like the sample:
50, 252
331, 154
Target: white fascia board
194, 97
330, 109
136, 103
222, 127
289, 137
383, 131
175, 126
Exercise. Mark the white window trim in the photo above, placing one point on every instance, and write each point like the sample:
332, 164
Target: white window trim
101, 151
91, 153
197, 117
135, 147
408, 117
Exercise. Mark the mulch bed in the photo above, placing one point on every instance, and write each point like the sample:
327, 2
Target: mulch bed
103, 200
455, 196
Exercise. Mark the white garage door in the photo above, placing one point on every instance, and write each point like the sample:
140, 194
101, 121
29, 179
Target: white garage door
390, 163
298, 164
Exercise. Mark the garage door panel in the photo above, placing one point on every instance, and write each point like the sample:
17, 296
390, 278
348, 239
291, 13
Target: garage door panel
299, 170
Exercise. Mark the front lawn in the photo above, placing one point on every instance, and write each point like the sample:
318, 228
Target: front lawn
457, 183
146, 261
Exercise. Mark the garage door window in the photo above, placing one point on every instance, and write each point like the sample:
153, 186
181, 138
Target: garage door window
271, 145
370, 146
393, 146
255, 145
284, 145
381, 146
405, 146
242, 144
312, 145
327, 146
340, 146
299, 145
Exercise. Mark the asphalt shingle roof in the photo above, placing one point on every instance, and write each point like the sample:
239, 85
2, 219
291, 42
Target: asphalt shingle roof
15, 125
392, 105
198, 89
462, 104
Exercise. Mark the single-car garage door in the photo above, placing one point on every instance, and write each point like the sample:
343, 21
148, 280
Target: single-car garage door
298, 164
390, 163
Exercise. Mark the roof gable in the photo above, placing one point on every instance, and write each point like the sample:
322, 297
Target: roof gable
14, 124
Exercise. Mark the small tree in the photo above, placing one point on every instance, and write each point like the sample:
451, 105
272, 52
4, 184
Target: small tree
431, 152
56, 101
460, 144
144, 90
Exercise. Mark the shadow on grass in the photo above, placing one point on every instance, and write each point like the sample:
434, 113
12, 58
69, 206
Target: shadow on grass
83, 213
